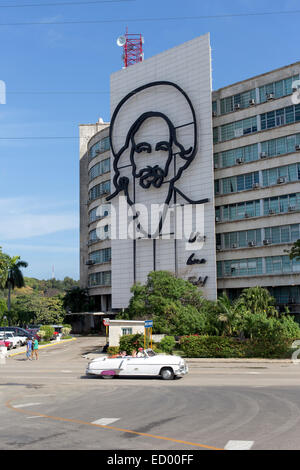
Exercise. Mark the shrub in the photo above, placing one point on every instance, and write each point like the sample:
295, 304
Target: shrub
211, 346
49, 330
130, 342
167, 344
66, 330
112, 350
218, 346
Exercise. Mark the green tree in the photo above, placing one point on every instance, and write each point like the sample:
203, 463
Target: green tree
175, 305
294, 253
228, 313
77, 300
257, 300
14, 276
4, 260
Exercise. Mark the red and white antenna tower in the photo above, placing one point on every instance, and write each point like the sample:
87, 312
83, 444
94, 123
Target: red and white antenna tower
133, 48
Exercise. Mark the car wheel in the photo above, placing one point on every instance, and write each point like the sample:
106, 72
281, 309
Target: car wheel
167, 373
107, 376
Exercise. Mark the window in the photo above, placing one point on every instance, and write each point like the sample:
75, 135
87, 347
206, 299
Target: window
279, 89
279, 204
242, 267
241, 100
239, 183
100, 279
228, 158
287, 115
239, 211
280, 146
99, 169
99, 190
99, 212
126, 331
101, 256
102, 146
238, 128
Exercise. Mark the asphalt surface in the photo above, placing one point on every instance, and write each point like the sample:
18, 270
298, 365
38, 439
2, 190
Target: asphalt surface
51, 404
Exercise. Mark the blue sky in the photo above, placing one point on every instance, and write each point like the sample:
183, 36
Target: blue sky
71, 64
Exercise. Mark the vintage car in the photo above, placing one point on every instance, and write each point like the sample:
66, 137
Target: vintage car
150, 364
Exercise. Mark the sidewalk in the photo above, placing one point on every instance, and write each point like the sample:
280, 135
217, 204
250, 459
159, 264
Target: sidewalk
22, 349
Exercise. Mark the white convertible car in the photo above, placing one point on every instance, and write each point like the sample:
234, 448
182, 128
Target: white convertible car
151, 364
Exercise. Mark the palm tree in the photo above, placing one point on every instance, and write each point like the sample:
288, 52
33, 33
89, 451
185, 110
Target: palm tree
14, 276
228, 313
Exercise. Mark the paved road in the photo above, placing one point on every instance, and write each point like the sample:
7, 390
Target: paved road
51, 404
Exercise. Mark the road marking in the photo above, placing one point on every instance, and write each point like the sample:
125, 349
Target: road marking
66, 371
105, 421
38, 416
239, 445
25, 405
78, 421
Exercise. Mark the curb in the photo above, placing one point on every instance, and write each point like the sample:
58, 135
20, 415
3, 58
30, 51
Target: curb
43, 347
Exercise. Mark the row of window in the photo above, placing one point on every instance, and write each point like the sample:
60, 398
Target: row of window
287, 115
250, 153
285, 294
258, 266
258, 237
99, 212
99, 147
99, 190
99, 169
257, 208
100, 279
276, 89
101, 256
279, 175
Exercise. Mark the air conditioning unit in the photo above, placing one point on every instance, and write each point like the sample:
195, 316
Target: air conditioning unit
297, 148
280, 180
234, 245
218, 247
252, 102
89, 262
263, 155
217, 219
251, 243
237, 106
266, 242
238, 161
271, 211
214, 114
255, 185
216, 166
246, 215
270, 96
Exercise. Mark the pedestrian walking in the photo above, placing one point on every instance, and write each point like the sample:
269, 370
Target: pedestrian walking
28, 349
35, 349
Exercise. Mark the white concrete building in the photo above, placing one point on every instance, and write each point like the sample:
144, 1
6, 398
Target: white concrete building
252, 218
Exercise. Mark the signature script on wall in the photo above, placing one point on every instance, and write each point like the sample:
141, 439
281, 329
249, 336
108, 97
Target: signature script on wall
178, 156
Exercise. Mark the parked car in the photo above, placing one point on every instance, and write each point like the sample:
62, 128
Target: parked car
20, 337
12, 338
33, 333
17, 330
6, 343
151, 364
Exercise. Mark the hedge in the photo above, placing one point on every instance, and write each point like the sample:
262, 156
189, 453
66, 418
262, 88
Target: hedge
223, 347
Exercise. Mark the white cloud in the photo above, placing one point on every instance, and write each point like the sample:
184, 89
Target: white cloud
26, 218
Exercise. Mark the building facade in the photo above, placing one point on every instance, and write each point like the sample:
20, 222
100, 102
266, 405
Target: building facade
257, 184
254, 168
